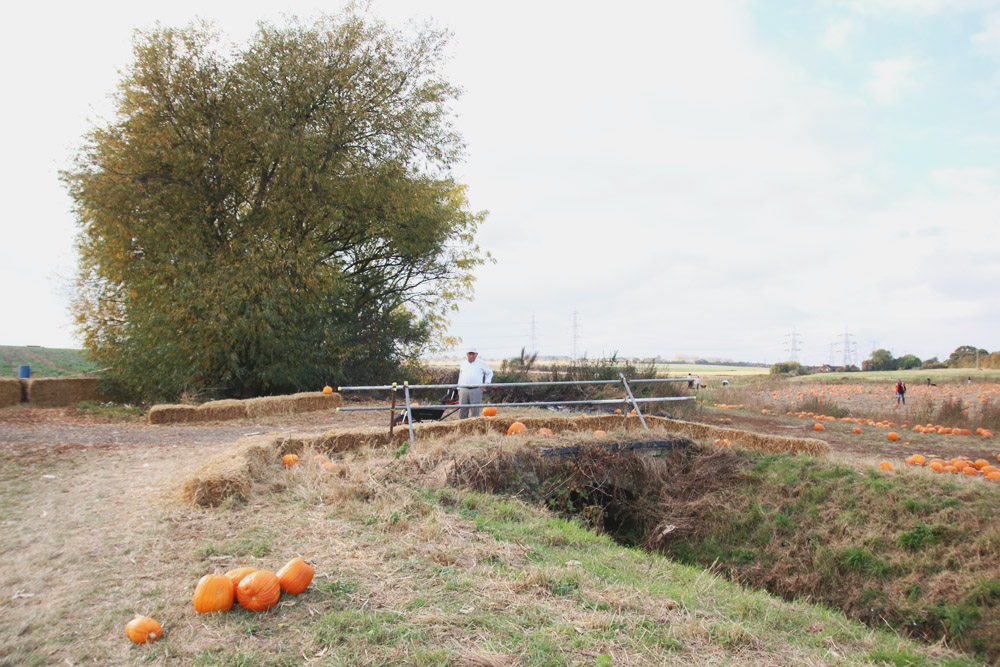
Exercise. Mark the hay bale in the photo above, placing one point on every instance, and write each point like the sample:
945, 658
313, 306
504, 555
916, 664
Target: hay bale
220, 410
233, 472
61, 391
172, 414
10, 391
268, 406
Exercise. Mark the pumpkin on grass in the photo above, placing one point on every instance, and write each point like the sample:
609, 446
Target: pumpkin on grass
295, 576
236, 576
214, 592
142, 629
259, 590
490, 412
515, 428
290, 459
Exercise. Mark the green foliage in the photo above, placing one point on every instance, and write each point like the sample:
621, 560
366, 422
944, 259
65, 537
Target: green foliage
882, 360
275, 218
789, 368
908, 361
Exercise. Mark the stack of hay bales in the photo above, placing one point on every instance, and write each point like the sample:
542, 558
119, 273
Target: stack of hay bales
10, 392
266, 406
59, 392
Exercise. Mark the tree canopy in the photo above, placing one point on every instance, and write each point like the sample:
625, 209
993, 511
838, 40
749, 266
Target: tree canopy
273, 217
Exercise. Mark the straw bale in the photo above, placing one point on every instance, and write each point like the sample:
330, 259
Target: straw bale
220, 410
233, 472
310, 401
10, 391
267, 406
61, 391
172, 414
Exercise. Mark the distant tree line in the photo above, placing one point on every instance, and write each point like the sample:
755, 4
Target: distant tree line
964, 356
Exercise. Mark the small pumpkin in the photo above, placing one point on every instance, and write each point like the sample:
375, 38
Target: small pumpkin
856, 430
290, 460
259, 591
885, 465
328, 389
214, 592
142, 629
599, 433
489, 411
515, 428
919, 459
632, 413
818, 427
545, 432
236, 576
295, 576
893, 436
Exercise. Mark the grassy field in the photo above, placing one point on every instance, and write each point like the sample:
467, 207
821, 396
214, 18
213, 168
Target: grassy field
44, 361
411, 569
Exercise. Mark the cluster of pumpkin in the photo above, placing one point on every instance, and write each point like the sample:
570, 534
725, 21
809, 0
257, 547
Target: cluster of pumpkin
517, 428
944, 430
960, 465
253, 589
291, 460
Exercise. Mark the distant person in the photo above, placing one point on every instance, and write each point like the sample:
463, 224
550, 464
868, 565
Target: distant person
900, 393
970, 380
928, 382
697, 383
473, 374
690, 381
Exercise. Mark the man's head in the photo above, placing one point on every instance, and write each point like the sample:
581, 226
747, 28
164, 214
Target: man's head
471, 354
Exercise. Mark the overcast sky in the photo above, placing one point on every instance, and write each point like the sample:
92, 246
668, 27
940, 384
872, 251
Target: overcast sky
688, 178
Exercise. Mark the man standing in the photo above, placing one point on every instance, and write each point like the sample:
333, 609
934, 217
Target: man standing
472, 375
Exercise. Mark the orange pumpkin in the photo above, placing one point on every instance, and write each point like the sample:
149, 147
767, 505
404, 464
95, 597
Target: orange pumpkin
545, 432
259, 590
290, 459
818, 427
142, 629
936, 466
618, 411
855, 430
236, 576
970, 470
599, 433
995, 476
981, 463
490, 412
295, 576
328, 389
515, 429
885, 465
893, 436
633, 413
919, 459
214, 592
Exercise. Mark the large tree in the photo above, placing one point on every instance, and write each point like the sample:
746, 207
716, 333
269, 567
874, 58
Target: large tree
272, 217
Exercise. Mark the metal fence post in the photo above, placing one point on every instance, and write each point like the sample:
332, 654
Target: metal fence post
409, 411
628, 389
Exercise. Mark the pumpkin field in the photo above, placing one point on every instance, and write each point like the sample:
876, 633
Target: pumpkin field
410, 563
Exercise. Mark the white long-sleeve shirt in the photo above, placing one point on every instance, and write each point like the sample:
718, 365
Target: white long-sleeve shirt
475, 374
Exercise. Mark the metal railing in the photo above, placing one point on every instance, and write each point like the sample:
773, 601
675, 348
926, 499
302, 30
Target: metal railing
622, 380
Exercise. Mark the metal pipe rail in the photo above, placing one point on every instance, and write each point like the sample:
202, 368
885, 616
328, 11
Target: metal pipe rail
497, 385
533, 403
630, 398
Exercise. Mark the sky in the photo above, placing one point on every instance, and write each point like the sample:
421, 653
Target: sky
711, 179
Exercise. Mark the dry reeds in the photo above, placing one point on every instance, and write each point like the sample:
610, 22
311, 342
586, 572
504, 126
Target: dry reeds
10, 392
53, 392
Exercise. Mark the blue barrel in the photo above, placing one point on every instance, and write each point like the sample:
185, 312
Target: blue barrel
24, 372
